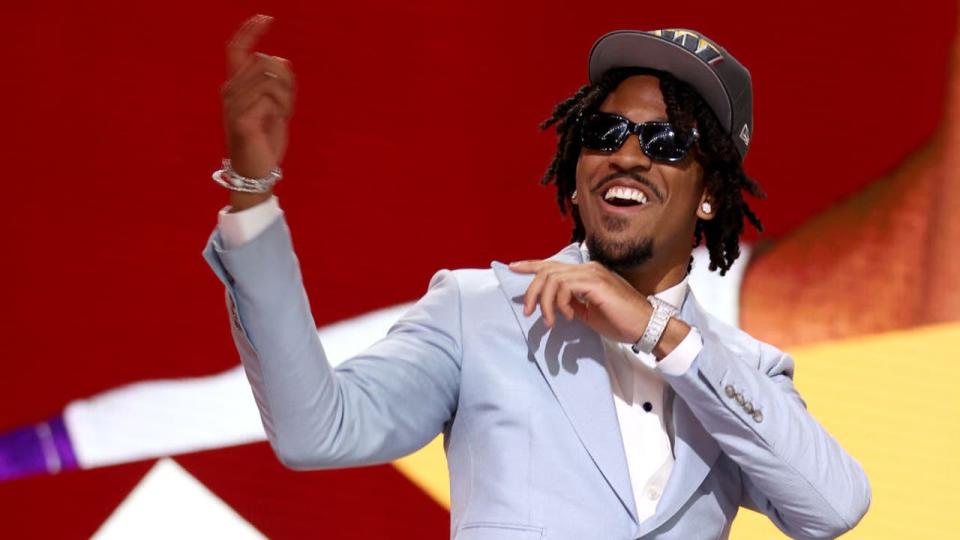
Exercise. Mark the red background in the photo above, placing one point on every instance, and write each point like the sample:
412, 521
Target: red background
414, 146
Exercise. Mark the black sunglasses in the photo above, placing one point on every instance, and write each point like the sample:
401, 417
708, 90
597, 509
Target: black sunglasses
607, 132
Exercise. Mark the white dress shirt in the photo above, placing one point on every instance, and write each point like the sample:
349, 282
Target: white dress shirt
638, 387
639, 393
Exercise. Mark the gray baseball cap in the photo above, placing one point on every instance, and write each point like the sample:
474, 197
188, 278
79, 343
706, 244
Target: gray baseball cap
690, 56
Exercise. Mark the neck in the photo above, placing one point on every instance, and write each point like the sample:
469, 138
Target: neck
651, 279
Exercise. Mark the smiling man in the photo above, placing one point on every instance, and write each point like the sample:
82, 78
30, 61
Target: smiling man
583, 396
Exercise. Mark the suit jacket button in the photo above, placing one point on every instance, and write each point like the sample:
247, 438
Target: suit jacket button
730, 391
739, 398
757, 416
748, 407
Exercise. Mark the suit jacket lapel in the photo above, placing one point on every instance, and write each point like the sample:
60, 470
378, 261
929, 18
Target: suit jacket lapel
572, 361
570, 357
694, 450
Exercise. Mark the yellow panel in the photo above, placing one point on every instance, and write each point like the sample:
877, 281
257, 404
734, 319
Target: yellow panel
427, 468
893, 402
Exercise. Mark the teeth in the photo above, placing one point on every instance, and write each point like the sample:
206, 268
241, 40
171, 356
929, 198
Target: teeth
625, 193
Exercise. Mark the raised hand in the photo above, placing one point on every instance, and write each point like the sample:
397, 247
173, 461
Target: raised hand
590, 292
257, 102
600, 298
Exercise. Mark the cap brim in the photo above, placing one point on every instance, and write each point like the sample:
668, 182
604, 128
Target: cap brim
633, 48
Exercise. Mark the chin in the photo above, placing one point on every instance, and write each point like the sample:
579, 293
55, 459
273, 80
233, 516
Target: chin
620, 251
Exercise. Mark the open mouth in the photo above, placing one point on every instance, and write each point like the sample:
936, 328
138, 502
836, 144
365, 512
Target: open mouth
624, 197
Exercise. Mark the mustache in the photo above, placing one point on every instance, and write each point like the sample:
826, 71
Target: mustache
632, 176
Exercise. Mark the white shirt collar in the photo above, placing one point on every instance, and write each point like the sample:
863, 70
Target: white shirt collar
672, 295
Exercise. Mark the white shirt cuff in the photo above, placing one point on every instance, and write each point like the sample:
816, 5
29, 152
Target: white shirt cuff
238, 228
678, 361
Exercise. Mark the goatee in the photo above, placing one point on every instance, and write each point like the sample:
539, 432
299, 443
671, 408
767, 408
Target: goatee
620, 256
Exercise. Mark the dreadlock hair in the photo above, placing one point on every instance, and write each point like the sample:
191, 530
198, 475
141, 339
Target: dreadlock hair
724, 178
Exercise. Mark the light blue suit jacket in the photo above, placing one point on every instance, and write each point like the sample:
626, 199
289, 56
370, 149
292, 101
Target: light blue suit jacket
531, 434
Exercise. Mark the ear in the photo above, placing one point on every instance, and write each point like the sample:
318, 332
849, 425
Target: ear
706, 202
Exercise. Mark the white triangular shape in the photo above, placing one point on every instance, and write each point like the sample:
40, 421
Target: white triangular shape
170, 503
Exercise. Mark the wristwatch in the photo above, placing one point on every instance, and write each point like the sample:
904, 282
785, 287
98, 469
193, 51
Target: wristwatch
662, 311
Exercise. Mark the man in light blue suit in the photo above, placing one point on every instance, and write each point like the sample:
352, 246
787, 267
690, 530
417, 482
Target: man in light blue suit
583, 396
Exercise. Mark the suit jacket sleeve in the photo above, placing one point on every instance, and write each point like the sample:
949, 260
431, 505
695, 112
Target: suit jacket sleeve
380, 405
793, 470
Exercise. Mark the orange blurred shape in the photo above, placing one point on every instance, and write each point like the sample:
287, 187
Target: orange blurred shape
884, 259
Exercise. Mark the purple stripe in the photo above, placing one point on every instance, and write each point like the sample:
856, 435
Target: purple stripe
24, 450
68, 461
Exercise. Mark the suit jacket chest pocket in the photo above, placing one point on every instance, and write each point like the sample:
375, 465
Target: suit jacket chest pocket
498, 531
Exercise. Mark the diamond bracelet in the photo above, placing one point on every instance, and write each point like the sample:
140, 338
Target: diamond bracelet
229, 179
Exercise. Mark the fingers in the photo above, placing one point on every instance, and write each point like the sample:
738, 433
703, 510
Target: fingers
532, 296
560, 294
264, 76
239, 46
266, 88
529, 267
565, 300
556, 288
580, 310
266, 107
526, 267
548, 297
255, 69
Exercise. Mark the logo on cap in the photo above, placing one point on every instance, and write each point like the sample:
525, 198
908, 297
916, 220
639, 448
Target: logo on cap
692, 42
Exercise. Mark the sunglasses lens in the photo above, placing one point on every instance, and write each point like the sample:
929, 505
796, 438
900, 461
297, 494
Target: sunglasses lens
603, 132
662, 143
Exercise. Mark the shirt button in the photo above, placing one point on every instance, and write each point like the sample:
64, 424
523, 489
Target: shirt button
653, 493
730, 391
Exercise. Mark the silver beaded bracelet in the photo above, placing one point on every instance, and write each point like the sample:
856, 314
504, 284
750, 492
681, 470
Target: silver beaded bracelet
662, 311
229, 179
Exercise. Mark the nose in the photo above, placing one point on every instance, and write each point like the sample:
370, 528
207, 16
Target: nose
630, 155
